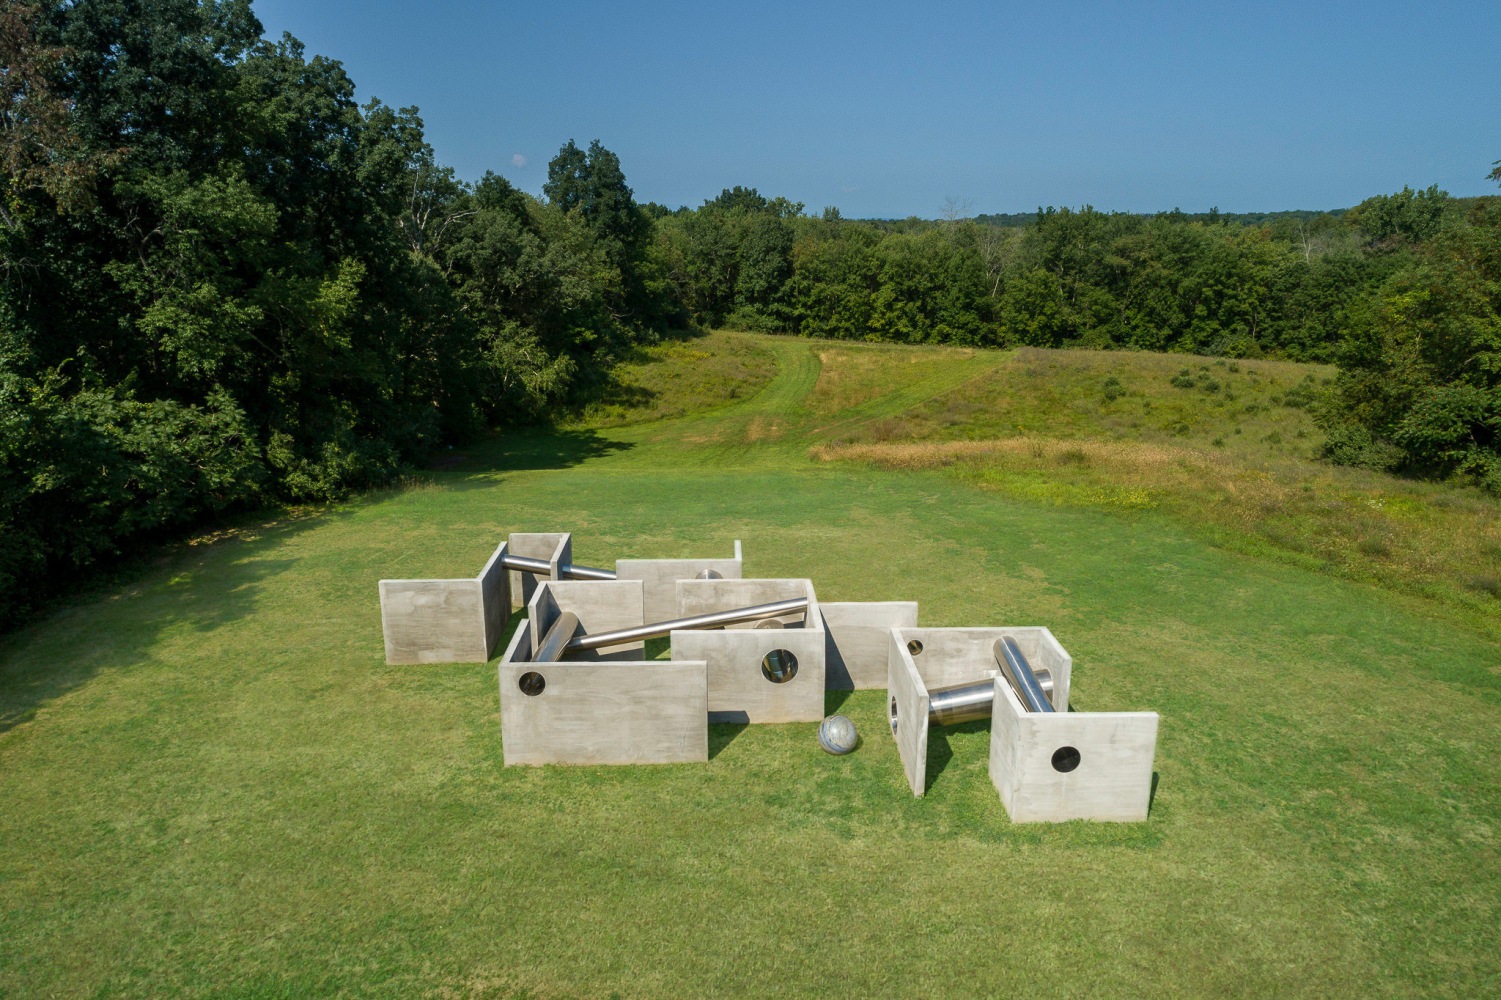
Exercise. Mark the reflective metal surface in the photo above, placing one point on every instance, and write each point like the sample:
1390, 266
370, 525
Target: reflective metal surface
551, 648
837, 735
541, 567
961, 703
779, 666
1018, 674
713, 619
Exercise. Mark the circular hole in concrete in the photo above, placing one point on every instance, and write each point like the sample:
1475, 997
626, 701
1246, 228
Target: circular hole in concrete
531, 683
709, 574
893, 716
779, 666
914, 646
1065, 759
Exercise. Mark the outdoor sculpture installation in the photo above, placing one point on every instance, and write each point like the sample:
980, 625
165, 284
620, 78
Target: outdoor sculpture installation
576, 686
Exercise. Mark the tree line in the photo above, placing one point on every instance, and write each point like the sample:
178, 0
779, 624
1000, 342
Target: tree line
1402, 292
224, 283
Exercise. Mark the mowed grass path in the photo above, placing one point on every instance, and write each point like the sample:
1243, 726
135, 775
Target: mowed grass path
213, 785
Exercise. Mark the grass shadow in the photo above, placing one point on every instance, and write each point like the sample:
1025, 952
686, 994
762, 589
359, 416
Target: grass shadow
1152, 795
832, 700
940, 754
526, 449
722, 734
201, 584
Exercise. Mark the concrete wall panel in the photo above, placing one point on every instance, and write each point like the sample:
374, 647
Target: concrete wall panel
698, 597
495, 598
660, 578
1113, 777
562, 555
739, 690
533, 545
602, 713
907, 712
433, 621
859, 635
602, 606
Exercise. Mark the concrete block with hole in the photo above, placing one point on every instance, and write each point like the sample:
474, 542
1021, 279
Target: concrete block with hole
1052, 767
767, 671
858, 633
1046, 766
585, 711
660, 578
601, 606
924, 660
446, 621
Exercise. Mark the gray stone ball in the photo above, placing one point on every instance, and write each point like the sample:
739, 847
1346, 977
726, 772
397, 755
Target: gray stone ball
837, 735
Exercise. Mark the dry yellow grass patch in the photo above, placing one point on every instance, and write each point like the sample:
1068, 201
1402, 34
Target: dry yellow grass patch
1419, 537
1136, 471
1126, 455
763, 429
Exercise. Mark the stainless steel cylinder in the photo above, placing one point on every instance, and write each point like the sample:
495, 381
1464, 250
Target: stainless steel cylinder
967, 702
713, 619
1018, 674
550, 650
541, 567
961, 703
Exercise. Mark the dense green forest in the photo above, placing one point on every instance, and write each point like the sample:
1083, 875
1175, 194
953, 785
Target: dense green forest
224, 283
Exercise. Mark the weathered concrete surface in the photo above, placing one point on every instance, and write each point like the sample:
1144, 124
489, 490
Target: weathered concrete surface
907, 707
446, 621
433, 621
739, 690
859, 634
601, 605
534, 545
652, 712
660, 578
495, 596
1113, 779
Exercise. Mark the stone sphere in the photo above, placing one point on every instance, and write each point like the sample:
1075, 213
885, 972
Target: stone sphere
837, 735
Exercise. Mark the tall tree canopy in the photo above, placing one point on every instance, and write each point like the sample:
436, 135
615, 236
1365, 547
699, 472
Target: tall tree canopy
223, 282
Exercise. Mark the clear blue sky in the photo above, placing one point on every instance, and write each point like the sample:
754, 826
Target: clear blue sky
886, 109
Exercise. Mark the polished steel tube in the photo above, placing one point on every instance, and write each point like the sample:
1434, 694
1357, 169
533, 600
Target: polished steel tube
967, 702
961, 703
550, 650
713, 619
1018, 674
541, 567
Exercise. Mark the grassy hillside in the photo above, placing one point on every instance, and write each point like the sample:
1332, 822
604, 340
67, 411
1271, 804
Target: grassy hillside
1226, 447
213, 785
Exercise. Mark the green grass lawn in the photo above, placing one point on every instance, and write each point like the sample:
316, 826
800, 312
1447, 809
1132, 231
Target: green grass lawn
213, 785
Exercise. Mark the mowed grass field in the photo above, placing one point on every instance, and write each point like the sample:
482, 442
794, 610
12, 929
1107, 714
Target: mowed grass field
212, 784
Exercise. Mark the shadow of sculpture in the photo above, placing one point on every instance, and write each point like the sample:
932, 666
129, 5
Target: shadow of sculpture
940, 754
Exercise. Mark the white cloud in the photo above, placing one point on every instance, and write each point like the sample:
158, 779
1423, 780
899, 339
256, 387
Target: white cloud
517, 160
